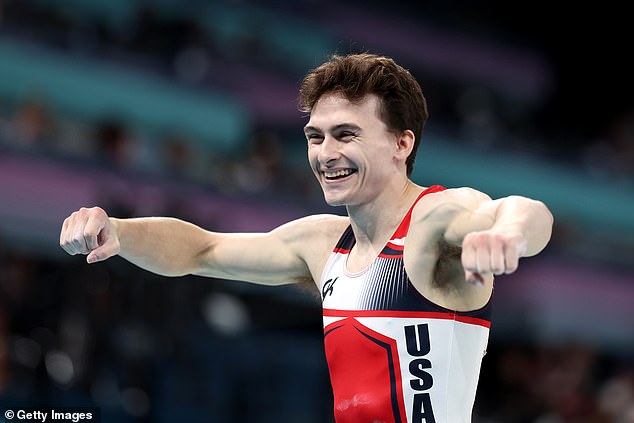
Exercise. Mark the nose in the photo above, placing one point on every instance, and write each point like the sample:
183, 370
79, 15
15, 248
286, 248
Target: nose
329, 150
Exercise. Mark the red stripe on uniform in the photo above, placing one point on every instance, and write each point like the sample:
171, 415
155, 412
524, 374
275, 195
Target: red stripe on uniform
391, 256
473, 321
328, 312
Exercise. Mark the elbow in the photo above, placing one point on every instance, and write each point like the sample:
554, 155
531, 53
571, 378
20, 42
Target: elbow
541, 227
544, 217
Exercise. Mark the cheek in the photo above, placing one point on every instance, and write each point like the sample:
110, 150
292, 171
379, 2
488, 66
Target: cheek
312, 159
310, 153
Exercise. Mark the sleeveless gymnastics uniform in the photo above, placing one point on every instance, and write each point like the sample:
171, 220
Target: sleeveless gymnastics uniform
393, 355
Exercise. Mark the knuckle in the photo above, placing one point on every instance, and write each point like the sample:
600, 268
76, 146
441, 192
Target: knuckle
467, 256
484, 239
472, 239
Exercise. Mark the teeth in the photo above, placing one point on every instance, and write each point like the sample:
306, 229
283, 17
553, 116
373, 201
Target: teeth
338, 173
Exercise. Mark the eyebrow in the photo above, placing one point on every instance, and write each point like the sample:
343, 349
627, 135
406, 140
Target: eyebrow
313, 129
310, 130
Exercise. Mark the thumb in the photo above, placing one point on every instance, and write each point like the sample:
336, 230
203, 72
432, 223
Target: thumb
103, 252
474, 278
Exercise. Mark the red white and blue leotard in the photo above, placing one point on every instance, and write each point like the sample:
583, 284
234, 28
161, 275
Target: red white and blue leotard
393, 355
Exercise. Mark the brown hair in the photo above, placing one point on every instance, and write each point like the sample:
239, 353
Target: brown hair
403, 105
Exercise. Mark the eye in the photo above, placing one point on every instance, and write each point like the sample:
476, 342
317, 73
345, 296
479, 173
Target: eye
314, 138
346, 135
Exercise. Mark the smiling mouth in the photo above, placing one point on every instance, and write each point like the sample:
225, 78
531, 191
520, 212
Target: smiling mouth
338, 174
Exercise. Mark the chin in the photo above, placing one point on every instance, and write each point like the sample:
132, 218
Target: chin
335, 200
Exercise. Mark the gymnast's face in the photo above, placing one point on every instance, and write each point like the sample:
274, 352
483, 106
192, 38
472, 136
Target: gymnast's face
350, 149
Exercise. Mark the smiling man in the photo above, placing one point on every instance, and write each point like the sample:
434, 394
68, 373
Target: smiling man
406, 277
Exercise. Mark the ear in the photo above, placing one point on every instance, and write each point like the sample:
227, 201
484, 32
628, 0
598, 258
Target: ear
405, 144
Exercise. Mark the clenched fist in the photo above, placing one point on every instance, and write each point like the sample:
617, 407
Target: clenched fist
491, 252
89, 231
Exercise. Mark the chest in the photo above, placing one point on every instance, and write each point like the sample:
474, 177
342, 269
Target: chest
381, 285
389, 280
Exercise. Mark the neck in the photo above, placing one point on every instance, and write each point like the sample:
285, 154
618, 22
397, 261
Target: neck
374, 221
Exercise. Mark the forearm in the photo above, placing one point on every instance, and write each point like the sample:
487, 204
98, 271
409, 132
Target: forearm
529, 218
162, 245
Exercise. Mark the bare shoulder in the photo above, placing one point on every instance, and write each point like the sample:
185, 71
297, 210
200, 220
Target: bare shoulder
432, 252
320, 226
448, 202
443, 215
313, 237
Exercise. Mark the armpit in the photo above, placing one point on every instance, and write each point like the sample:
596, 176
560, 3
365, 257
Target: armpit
448, 268
308, 285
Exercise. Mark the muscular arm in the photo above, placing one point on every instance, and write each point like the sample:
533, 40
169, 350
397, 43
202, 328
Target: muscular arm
494, 234
462, 235
529, 219
173, 247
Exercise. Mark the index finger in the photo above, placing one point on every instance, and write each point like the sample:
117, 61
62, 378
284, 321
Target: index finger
94, 226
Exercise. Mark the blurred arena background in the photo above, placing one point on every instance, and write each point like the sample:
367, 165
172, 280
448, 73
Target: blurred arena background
187, 108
